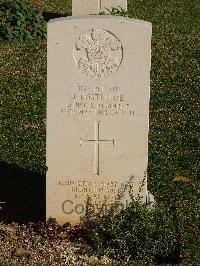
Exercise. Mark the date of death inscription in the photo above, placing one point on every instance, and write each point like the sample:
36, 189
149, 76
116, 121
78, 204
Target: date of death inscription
102, 101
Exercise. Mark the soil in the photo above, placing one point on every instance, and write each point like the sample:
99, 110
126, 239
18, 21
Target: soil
42, 244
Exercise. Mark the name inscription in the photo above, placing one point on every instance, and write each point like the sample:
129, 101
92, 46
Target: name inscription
104, 101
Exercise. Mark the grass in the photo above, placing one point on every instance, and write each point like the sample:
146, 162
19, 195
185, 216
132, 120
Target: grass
174, 108
23, 100
57, 6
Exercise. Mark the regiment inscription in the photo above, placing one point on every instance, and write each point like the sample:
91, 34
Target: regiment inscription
102, 101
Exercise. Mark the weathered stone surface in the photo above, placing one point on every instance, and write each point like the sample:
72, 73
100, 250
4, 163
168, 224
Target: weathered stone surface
91, 7
97, 111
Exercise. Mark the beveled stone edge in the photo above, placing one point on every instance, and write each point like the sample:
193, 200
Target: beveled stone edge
117, 18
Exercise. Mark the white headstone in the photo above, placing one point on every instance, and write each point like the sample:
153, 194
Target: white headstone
91, 7
97, 111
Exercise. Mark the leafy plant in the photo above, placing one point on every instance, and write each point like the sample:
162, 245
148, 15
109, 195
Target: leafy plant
166, 233
115, 11
21, 20
138, 233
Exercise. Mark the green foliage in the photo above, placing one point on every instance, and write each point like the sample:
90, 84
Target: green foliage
115, 12
169, 232
21, 20
136, 234
185, 204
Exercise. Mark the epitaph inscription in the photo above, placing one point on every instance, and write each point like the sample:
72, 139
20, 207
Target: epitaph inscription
98, 53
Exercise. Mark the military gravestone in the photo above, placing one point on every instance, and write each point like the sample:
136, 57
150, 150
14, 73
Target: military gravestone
97, 111
89, 7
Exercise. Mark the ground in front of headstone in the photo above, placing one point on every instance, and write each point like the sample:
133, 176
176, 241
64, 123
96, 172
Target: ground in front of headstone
42, 244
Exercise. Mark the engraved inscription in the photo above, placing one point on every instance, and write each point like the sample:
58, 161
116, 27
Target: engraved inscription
98, 53
97, 141
101, 193
98, 101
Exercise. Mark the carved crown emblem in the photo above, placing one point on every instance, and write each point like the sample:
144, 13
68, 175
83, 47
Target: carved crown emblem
98, 53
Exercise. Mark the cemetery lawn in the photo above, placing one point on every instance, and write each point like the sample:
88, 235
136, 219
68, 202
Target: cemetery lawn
57, 6
174, 138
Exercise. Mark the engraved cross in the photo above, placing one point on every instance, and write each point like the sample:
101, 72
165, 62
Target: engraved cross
99, 4
97, 142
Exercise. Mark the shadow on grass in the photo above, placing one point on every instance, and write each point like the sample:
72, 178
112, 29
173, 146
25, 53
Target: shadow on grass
23, 193
50, 15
